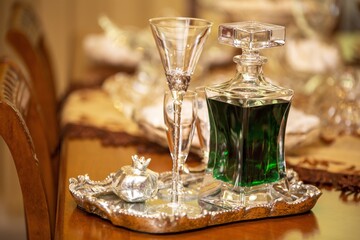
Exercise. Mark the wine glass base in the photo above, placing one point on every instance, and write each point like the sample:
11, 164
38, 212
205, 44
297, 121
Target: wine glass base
186, 194
190, 185
175, 209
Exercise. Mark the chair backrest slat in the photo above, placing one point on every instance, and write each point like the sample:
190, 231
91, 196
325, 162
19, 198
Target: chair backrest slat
21, 129
26, 36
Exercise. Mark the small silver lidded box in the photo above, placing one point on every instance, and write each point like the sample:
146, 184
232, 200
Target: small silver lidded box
136, 183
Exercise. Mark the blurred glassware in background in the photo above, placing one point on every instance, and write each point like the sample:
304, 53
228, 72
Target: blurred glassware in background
276, 12
114, 46
320, 62
337, 102
131, 90
311, 48
316, 18
333, 88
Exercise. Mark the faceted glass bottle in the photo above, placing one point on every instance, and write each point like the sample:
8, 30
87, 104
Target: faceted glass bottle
248, 117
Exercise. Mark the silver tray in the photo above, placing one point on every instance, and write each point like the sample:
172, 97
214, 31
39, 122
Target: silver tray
96, 197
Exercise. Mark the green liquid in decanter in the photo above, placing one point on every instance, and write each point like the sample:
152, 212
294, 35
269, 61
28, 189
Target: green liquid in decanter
249, 149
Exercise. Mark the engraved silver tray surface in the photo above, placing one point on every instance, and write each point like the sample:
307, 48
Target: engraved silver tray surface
96, 197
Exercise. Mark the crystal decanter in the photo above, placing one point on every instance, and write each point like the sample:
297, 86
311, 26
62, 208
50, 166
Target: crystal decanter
248, 116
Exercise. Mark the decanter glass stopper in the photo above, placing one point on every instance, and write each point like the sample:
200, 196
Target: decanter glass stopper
251, 36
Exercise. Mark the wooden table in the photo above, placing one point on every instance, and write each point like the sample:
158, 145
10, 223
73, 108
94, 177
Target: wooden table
333, 217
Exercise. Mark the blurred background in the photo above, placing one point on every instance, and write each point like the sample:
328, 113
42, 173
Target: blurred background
332, 26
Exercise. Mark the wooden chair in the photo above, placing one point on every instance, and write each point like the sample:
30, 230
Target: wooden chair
21, 128
25, 35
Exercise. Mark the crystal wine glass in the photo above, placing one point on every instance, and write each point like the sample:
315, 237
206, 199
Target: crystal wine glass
203, 124
180, 41
187, 129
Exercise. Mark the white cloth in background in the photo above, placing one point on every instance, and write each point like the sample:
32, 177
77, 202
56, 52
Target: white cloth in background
101, 48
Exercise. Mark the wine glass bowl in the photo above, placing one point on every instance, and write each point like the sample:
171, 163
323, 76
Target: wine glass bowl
180, 42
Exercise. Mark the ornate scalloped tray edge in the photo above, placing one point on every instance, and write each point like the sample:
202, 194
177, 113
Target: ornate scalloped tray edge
96, 197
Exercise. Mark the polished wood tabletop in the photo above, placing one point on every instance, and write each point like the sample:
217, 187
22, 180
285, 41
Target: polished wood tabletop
335, 216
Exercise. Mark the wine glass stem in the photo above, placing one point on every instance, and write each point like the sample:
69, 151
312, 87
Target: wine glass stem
176, 182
